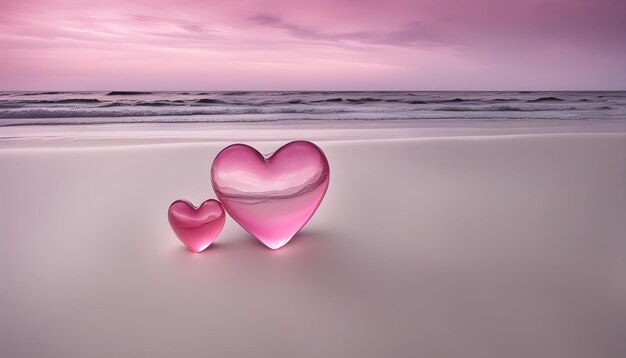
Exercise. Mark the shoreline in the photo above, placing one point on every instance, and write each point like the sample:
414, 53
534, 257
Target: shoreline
106, 135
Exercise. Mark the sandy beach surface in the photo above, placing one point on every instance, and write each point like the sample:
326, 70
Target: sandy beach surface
448, 245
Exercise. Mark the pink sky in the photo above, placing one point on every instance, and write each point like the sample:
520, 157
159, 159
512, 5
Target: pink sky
312, 44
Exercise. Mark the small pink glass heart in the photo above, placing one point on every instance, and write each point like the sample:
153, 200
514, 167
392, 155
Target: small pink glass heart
271, 197
197, 227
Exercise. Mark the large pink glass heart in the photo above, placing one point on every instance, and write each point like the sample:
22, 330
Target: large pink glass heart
197, 227
271, 197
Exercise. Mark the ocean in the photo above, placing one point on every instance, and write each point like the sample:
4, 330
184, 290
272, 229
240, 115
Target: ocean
99, 107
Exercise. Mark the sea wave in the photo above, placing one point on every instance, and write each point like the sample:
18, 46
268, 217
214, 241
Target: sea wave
127, 93
336, 99
149, 112
235, 93
240, 99
60, 101
507, 108
174, 106
545, 99
210, 100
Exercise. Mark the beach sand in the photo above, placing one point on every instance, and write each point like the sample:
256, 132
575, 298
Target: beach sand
425, 246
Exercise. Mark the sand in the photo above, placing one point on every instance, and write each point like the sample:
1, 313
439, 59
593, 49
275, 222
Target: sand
445, 246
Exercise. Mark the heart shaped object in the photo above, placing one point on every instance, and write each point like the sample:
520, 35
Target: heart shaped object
272, 197
197, 227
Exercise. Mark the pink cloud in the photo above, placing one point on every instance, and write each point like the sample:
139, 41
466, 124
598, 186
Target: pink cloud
396, 44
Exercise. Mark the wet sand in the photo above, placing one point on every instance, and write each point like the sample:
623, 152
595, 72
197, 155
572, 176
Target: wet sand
447, 246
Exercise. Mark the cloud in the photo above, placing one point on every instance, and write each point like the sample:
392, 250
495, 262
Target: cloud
396, 43
414, 34
295, 30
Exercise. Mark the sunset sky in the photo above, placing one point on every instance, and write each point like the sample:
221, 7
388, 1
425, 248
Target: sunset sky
312, 44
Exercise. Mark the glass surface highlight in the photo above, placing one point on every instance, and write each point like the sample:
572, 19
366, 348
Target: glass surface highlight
196, 227
272, 197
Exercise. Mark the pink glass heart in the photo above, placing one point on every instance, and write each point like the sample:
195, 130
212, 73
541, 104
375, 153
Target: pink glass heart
271, 197
197, 227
